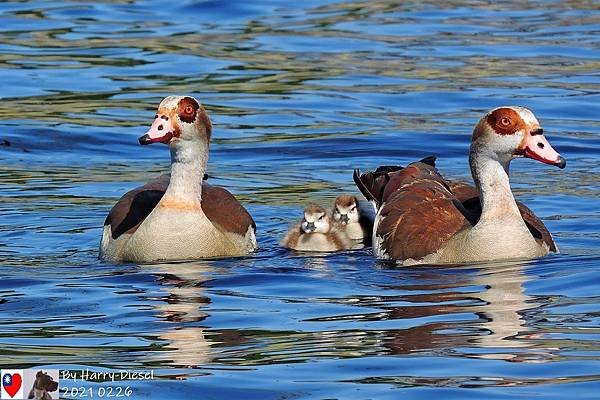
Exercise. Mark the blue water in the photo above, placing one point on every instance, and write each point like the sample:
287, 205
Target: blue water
299, 93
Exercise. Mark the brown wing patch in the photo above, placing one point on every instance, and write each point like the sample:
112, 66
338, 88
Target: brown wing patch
463, 191
223, 209
420, 214
133, 208
373, 184
411, 173
536, 227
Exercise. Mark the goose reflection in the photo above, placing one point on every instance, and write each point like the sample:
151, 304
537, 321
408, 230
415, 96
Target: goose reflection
182, 309
502, 312
453, 297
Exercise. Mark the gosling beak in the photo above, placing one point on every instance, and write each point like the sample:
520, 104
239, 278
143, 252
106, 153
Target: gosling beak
310, 227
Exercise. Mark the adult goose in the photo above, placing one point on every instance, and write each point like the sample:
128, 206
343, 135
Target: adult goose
177, 216
422, 218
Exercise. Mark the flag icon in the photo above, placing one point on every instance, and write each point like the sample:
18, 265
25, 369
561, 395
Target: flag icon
12, 384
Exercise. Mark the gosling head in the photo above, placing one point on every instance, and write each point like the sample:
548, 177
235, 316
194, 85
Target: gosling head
315, 220
346, 209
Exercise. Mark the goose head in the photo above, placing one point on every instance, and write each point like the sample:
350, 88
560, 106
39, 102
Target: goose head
179, 119
505, 133
315, 220
345, 209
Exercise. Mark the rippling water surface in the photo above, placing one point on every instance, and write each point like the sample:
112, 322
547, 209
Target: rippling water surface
299, 93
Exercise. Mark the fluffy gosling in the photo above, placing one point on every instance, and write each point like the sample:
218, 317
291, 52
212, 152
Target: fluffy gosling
349, 218
316, 233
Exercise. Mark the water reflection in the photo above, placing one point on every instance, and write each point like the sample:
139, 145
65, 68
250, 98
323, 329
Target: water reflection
481, 308
479, 312
504, 305
181, 310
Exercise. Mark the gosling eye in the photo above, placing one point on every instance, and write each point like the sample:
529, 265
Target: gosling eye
321, 218
353, 209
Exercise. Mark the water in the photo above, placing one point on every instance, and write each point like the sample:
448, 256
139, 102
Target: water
299, 93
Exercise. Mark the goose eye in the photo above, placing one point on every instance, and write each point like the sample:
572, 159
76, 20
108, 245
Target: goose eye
321, 218
187, 109
353, 208
505, 121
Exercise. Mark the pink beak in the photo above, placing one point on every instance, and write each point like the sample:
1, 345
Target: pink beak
161, 131
536, 146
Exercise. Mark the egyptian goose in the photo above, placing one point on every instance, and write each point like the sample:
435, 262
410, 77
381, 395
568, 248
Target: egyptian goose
177, 216
421, 218
349, 218
315, 233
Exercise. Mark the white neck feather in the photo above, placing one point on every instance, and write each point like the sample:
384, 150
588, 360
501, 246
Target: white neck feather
490, 173
188, 164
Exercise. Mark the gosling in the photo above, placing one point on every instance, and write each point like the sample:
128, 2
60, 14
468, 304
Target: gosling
349, 218
316, 233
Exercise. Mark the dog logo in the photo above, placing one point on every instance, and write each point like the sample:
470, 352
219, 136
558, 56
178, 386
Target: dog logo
43, 385
12, 384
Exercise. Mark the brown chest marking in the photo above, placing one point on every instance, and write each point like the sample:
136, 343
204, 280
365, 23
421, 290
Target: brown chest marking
173, 204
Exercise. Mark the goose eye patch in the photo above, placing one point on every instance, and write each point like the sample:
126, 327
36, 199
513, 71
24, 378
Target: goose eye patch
505, 121
186, 109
